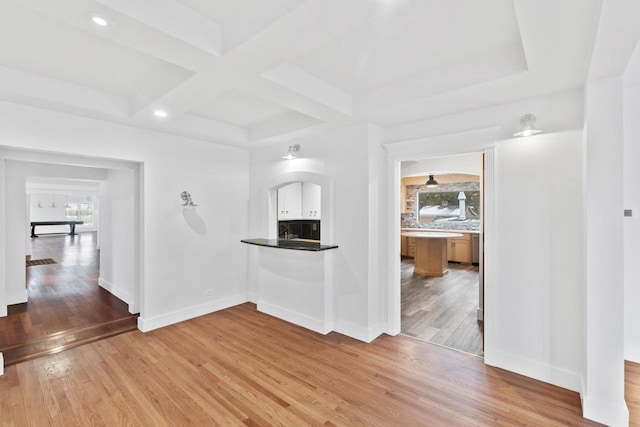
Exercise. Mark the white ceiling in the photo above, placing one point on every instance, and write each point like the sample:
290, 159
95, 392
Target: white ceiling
243, 72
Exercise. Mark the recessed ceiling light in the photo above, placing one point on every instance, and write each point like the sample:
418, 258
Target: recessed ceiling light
98, 20
160, 113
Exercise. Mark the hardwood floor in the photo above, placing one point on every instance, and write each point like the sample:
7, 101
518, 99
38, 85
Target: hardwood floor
632, 391
442, 310
242, 367
66, 306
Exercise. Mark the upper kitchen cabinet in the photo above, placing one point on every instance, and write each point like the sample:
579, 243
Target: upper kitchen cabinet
311, 200
290, 201
299, 200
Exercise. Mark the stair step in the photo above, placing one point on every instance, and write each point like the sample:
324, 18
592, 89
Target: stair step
65, 340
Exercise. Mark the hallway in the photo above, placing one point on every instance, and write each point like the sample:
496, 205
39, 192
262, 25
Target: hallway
66, 306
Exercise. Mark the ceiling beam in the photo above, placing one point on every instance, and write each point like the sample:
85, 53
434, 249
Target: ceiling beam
126, 32
300, 81
321, 20
173, 18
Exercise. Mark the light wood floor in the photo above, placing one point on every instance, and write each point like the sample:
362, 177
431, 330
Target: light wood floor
632, 391
242, 367
66, 306
442, 310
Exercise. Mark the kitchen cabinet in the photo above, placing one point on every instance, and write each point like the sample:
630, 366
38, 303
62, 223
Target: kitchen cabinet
459, 249
311, 200
299, 200
290, 201
408, 246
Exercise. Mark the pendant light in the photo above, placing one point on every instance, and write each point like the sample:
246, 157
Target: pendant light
431, 182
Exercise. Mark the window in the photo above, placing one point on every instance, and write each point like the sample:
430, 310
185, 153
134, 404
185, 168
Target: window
435, 207
80, 212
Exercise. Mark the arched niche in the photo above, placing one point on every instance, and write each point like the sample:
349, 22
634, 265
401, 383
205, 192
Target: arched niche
326, 200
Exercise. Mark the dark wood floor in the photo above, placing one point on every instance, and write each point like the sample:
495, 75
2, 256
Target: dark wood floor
242, 367
442, 310
66, 306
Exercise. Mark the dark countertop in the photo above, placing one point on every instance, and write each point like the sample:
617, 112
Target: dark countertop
297, 245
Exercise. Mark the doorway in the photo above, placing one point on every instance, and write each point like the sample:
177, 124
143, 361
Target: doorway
481, 142
441, 209
89, 284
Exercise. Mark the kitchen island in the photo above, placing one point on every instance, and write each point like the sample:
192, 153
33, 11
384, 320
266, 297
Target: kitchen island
431, 252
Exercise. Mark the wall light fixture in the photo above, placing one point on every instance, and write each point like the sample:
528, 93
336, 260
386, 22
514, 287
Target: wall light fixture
291, 154
527, 126
186, 197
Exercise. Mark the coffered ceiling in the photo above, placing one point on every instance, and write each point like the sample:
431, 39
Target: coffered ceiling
244, 72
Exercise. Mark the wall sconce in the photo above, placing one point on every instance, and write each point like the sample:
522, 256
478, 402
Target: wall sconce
431, 182
293, 149
186, 197
527, 126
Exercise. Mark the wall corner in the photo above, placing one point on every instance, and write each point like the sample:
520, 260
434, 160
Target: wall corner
607, 413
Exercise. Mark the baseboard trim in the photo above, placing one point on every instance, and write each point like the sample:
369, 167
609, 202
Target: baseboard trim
115, 290
536, 370
632, 353
134, 308
149, 324
3, 311
358, 332
316, 325
17, 298
1, 364
604, 412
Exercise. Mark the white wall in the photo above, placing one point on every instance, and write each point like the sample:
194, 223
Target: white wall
631, 197
47, 212
350, 158
117, 273
603, 397
15, 243
539, 284
378, 238
193, 263
3, 238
